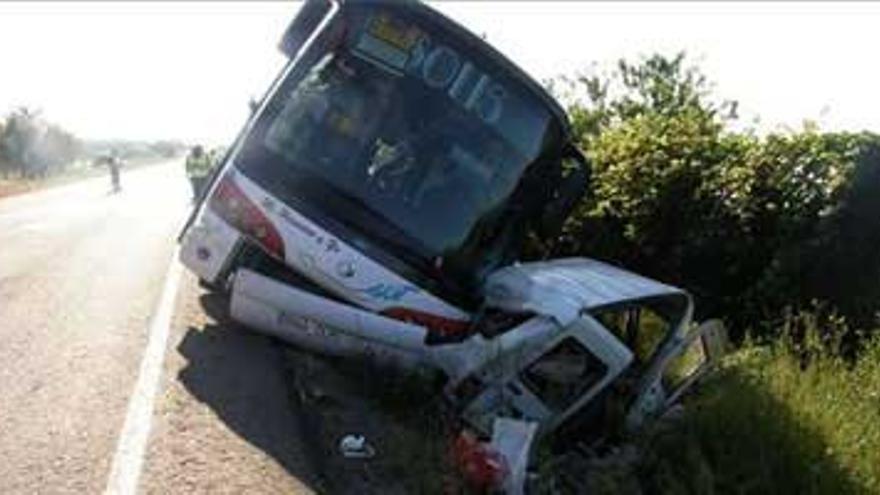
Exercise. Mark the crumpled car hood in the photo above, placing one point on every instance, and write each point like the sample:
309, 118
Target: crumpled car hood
563, 288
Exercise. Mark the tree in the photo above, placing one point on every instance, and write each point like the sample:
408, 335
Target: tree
32, 147
657, 84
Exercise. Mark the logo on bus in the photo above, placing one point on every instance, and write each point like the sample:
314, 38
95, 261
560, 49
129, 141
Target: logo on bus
388, 292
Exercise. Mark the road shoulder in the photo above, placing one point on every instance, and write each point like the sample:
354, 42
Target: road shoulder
223, 422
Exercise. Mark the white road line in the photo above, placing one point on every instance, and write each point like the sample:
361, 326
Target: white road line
129, 457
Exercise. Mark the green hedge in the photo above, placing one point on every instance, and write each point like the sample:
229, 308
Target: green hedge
754, 227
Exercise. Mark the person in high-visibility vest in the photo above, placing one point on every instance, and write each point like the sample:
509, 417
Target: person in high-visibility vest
198, 167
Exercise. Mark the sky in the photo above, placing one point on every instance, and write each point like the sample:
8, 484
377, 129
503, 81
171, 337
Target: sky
186, 70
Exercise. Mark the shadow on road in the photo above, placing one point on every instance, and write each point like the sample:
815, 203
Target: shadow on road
238, 374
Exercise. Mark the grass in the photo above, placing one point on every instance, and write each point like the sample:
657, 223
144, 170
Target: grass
769, 422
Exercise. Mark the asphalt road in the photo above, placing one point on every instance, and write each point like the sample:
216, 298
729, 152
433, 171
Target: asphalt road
81, 271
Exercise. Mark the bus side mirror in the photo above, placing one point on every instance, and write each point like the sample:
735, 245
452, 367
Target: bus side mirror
571, 189
304, 24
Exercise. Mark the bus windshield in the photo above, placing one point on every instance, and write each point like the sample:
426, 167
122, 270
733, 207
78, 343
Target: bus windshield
394, 115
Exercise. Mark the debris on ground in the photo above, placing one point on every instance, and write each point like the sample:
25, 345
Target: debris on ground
513, 438
482, 467
356, 447
501, 463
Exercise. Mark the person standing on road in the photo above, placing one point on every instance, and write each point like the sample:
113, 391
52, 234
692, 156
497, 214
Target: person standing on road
114, 163
198, 167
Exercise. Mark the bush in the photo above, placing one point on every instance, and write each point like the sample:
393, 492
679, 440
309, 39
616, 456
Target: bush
751, 226
797, 210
